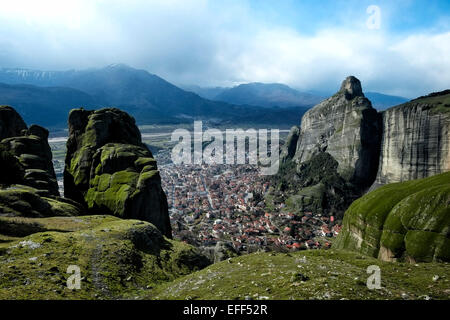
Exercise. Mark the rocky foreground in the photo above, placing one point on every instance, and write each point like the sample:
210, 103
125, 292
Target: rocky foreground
110, 173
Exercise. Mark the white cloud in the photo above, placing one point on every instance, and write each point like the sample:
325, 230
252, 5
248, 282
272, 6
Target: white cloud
207, 43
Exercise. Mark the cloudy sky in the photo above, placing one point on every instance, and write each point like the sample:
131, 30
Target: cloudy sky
399, 47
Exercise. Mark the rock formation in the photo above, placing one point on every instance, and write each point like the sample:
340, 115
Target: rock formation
408, 221
347, 127
289, 148
110, 171
416, 139
28, 184
333, 157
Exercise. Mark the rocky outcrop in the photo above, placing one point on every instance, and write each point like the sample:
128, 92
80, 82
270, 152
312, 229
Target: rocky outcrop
408, 221
118, 259
11, 123
347, 127
416, 140
30, 148
28, 186
333, 157
289, 148
110, 171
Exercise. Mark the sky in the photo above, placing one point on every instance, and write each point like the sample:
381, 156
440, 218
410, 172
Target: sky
397, 47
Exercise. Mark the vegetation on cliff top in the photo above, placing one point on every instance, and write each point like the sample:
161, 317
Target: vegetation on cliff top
408, 220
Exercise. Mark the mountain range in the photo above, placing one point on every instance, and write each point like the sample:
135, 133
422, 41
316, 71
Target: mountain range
281, 95
47, 96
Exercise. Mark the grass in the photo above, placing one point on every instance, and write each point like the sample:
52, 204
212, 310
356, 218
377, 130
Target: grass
118, 259
314, 274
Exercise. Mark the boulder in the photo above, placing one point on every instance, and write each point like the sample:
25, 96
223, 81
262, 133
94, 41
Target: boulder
110, 171
408, 221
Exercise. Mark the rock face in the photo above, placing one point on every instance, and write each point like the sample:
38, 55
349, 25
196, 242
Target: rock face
416, 140
110, 171
289, 148
28, 186
333, 157
30, 147
11, 123
347, 127
408, 221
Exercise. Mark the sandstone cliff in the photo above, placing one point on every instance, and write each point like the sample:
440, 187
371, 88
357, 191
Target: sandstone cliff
110, 171
333, 157
347, 127
416, 140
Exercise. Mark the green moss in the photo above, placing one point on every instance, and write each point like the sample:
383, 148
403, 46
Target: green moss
385, 216
324, 274
144, 162
119, 259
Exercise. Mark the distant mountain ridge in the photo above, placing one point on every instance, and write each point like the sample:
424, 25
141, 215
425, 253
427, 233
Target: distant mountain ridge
46, 105
267, 95
276, 94
149, 98
383, 101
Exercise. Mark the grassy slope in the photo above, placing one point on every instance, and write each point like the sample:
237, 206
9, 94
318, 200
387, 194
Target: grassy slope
119, 259
331, 274
367, 217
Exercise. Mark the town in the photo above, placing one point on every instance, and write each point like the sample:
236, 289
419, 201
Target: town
225, 203
221, 203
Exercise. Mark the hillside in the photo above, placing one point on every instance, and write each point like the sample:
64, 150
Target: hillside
384, 101
46, 105
118, 259
267, 95
149, 98
304, 275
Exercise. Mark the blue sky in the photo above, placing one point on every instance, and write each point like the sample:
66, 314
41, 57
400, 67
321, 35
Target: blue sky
309, 45
401, 16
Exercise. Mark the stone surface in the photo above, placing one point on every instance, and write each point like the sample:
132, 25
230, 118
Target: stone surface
416, 140
408, 221
332, 158
11, 123
110, 171
28, 186
289, 148
30, 147
347, 127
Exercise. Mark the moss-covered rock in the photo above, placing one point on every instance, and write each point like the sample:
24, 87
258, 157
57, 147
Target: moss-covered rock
118, 259
11, 123
24, 201
25, 154
109, 170
401, 221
